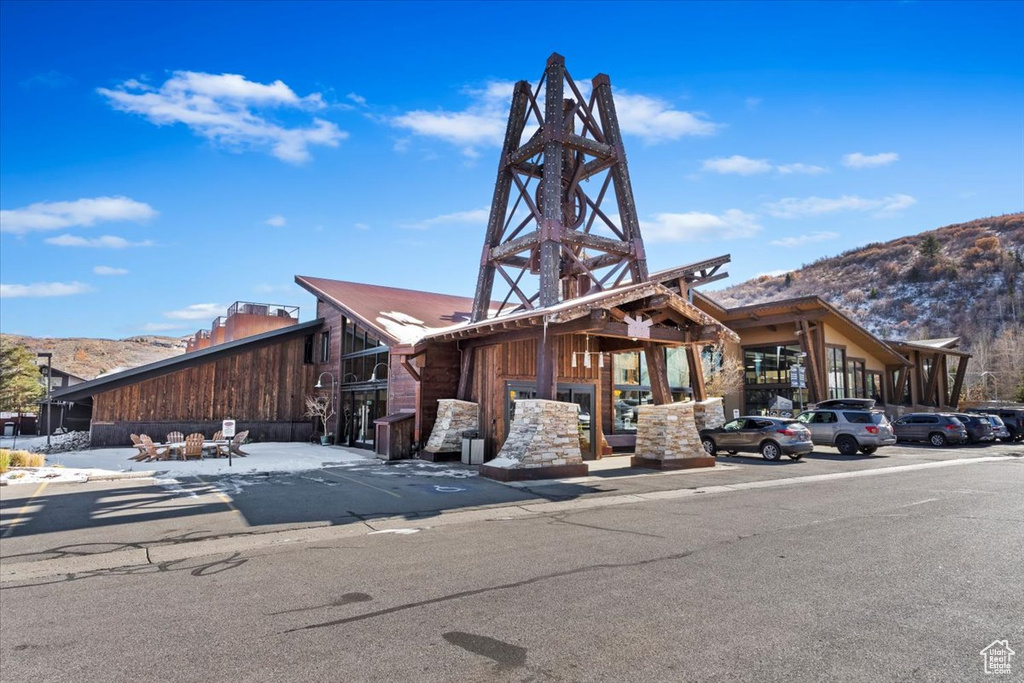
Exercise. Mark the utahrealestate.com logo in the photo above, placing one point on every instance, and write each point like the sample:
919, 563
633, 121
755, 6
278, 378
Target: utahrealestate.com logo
997, 657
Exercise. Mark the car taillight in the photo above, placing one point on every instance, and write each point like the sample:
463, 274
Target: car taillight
872, 430
789, 432
952, 428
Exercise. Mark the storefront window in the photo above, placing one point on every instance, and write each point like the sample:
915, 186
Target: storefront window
770, 364
855, 375
836, 359
874, 386
632, 385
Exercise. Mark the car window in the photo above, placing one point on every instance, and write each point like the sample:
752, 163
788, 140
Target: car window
860, 418
955, 420
805, 417
827, 418
734, 425
761, 424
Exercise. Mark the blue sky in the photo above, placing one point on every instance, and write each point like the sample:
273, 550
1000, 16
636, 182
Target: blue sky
159, 161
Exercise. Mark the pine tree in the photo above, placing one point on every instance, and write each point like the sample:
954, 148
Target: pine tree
19, 379
929, 247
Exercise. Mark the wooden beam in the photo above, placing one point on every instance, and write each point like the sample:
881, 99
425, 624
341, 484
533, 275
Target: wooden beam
901, 385
693, 359
779, 319
657, 370
594, 322
958, 382
465, 374
930, 396
807, 346
409, 366
547, 367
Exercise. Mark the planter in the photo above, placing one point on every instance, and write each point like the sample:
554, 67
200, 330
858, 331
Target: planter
325, 440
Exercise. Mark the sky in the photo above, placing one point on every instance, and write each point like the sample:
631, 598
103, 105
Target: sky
159, 161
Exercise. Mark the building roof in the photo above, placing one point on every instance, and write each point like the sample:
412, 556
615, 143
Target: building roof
945, 346
947, 343
400, 316
168, 365
798, 306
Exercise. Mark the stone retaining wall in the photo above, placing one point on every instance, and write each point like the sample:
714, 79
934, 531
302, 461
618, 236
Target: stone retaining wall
454, 419
709, 414
543, 441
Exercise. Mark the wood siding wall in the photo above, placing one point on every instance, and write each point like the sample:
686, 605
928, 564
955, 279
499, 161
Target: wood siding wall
115, 434
265, 384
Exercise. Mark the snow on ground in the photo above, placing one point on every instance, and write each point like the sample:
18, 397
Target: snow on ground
23, 443
37, 475
263, 457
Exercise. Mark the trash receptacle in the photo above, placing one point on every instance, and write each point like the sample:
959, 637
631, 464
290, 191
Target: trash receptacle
8, 429
472, 451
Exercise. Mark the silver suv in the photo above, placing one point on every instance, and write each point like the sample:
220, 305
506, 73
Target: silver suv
848, 429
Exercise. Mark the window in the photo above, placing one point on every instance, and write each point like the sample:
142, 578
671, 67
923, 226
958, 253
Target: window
631, 384
855, 372
835, 356
325, 346
307, 350
874, 386
770, 364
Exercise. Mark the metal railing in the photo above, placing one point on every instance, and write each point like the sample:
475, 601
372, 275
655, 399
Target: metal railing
270, 310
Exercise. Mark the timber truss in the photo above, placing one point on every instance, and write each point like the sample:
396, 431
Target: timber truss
562, 222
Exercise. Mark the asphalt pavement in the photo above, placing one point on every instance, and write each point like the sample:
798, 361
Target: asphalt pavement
839, 572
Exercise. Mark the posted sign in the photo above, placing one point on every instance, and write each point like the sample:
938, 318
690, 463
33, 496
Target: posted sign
228, 428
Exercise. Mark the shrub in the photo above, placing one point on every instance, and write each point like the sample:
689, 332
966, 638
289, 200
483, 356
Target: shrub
987, 243
9, 458
929, 247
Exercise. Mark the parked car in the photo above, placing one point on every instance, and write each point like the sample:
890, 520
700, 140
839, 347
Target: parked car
770, 436
849, 430
978, 429
1012, 417
999, 430
938, 429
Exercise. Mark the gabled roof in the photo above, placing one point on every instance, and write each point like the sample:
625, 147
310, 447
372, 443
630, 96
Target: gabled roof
168, 365
929, 346
400, 316
947, 343
801, 306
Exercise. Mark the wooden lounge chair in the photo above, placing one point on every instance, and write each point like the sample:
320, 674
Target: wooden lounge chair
217, 435
152, 452
193, 446
234, 446
175, 437
142, 454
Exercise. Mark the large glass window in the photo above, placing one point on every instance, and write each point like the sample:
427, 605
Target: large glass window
325, 346
855, 379
874, 386
835, 358
632, 385
770, 364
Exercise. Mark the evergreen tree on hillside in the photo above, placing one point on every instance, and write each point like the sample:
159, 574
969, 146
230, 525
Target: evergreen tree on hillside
929, 247
19, 380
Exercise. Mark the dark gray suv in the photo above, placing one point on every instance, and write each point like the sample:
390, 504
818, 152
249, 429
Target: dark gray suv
938, 429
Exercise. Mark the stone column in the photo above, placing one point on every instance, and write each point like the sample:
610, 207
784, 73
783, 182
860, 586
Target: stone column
454, 419
543, 443
667, 438
709, 414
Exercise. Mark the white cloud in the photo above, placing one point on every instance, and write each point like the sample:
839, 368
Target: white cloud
358, 99
737, 164
808, 169
162, 327
472, 217
223, 108
695, 226
40, 289
805, 239
740, 165
104, 242
277, 220
361, 226
858, 160
483, 121
196, 312
108, 270
792, 207
77, 213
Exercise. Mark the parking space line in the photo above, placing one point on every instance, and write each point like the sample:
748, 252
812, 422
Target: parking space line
223, 496
24, 508
362, 483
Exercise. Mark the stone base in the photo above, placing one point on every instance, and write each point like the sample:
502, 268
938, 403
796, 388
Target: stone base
455, 419
671, 464
439, 457
533, 473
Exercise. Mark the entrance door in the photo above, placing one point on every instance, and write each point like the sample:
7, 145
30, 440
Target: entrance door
359, 410
580, 394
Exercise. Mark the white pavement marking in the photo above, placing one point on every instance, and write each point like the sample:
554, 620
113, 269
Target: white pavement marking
361, 483
920, 502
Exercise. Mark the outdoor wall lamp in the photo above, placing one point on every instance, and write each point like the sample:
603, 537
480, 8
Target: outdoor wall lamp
349, 374
319, 382
373, 375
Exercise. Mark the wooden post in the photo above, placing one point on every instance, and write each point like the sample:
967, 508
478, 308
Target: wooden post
465, 373
808, 346
901, 386
958, 382
547, 367
930, 392
693, 359
657, 370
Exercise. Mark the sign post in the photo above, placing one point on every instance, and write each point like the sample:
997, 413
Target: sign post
798, 380
228, 429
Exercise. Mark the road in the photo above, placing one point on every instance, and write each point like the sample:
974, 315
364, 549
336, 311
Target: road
905, 575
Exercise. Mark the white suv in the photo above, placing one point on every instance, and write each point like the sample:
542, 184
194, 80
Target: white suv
848, 429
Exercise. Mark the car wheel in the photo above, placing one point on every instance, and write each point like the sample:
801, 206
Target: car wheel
868, 450
937, 440
709, 446
771, 451
732, 452
847, 445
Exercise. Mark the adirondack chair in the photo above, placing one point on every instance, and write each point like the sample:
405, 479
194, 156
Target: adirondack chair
175, 437
152, 452
234, 446
193, 447
142, 454
218, 435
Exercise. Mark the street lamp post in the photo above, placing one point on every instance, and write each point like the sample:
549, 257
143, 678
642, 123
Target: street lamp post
49, 374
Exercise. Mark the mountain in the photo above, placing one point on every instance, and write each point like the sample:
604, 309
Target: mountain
964, 280
87, 358
960, 280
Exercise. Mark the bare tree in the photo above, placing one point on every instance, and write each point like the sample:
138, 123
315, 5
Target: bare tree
723, 374
320, 407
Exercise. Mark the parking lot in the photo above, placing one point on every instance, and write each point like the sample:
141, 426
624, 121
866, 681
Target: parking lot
47, 522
